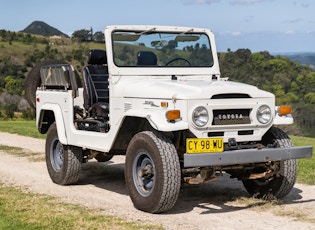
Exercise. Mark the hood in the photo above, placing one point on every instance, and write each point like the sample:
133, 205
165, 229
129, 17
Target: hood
189, 89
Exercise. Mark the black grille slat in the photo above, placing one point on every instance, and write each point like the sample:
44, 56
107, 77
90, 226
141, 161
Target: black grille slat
231, 117
230, 96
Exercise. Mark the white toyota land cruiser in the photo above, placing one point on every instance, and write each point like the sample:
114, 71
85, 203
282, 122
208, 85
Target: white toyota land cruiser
156, 96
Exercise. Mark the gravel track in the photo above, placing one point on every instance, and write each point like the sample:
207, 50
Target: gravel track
207, 206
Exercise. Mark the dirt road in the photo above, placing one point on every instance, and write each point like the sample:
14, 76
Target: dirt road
219, 205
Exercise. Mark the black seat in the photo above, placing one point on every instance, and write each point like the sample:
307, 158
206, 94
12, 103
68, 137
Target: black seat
95, 84
147, 58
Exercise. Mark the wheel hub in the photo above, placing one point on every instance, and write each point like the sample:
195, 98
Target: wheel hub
56, 152
144, 174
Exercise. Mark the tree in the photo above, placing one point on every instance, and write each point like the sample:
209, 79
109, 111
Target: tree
13, 86
82, 35
310, 98
99, 37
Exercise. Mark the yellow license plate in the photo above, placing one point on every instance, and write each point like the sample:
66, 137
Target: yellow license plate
204, 145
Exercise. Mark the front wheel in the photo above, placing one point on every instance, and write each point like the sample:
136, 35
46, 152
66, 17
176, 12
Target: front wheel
63, 162
280, 184
152, 172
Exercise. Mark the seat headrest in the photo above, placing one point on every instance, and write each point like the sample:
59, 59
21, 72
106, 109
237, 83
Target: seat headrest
146, 58
97, 57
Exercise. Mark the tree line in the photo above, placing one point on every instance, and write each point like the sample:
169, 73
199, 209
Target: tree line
82, 35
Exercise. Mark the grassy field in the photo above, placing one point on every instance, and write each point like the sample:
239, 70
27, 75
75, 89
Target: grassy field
24, 128
24, 210
306, 173
19, 50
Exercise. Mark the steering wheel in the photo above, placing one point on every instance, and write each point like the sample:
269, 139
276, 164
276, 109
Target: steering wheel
177, 59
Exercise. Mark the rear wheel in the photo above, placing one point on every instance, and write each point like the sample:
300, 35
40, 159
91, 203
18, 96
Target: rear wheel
280, 184
152, 172
63, 161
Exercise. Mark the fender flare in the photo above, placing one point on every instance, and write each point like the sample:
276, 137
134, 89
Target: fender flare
283, 120
55, 108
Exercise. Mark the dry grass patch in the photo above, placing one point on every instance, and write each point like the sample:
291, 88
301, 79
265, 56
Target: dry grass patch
278, 208
19, 152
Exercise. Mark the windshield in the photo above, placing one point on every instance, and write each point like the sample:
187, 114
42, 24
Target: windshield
159, 49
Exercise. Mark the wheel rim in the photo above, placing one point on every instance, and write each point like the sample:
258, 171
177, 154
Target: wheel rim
56, 155
143, 174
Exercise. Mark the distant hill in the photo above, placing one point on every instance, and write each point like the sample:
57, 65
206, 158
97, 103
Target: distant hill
42, 28
307, 58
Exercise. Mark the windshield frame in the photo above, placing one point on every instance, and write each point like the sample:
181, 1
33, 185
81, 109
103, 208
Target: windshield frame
158, 70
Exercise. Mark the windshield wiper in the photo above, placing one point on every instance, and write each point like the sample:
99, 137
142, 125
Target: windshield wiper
147, 31
188, 31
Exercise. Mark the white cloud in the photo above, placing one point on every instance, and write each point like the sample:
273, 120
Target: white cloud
290, 32
296, 20
246, 2
236, 33
199, 1
240, 2
229, 33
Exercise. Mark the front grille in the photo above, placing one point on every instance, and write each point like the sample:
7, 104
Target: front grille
231, 117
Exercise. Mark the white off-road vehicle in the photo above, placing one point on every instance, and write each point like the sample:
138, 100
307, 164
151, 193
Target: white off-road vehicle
156, 96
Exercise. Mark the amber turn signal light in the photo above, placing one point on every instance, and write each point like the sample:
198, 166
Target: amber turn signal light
284, 110
172, 115
164, 104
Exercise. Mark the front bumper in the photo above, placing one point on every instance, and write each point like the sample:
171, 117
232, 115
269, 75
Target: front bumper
246, 156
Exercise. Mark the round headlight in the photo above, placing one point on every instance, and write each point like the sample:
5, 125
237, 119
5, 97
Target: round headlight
200, 116
264, 114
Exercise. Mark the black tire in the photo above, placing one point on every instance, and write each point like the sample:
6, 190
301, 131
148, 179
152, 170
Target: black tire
152, 173
279, 185
63, 162
33, 80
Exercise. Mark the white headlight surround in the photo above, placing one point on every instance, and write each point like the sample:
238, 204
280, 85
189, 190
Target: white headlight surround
264, 115
200, 116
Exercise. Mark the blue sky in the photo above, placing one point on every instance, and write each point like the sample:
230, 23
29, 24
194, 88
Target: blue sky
259, 25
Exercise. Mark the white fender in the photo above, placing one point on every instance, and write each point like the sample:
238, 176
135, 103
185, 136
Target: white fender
283, 120
62, 135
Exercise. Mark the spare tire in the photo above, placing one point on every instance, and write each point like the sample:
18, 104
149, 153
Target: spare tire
33, 80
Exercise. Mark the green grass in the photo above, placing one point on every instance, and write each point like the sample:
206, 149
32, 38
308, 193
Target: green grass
306, 171
24, 128
24, 210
